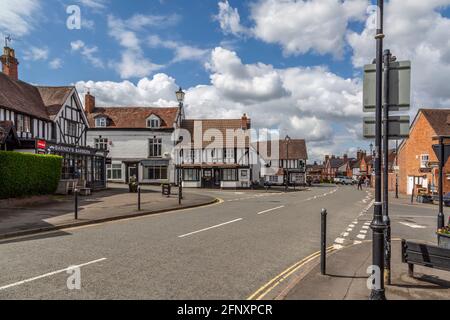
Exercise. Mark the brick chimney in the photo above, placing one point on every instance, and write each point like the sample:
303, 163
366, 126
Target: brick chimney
89, 103
245, 122
345, 157
10, 63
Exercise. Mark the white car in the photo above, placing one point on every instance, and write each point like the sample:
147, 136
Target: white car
344, 181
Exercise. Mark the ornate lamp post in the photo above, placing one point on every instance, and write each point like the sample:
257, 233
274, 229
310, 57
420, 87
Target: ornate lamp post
180, 98
287, 140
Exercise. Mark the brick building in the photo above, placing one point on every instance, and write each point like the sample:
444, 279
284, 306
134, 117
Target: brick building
416, 156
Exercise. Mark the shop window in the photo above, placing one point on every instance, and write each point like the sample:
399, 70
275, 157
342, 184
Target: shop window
155, 173
114, 171
229, 175
190, 175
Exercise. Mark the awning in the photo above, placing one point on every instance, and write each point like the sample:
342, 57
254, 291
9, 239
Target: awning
155, 163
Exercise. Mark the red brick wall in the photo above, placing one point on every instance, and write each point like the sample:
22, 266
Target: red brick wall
420, 142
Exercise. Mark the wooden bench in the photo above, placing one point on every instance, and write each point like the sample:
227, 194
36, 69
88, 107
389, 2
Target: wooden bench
425, 255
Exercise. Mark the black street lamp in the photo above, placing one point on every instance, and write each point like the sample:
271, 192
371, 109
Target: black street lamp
180, 98
287, 140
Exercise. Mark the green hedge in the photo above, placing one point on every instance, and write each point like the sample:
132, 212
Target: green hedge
25, 174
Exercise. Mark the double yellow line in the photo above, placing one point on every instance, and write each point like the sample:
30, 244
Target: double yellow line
272, 284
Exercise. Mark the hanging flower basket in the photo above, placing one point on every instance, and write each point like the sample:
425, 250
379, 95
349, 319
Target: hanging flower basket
444, 237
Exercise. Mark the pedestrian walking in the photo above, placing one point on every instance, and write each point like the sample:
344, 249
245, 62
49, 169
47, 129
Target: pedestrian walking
360, 183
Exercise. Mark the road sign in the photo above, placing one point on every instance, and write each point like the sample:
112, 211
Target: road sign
399, 86
398, 127
437, 148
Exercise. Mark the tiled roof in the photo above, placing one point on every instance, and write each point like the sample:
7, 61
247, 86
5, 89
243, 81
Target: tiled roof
296, 149
336, 162
211, 128
438, 119
134, 117
21, 97
54, 98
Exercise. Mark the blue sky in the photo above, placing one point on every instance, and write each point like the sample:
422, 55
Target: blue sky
291, 65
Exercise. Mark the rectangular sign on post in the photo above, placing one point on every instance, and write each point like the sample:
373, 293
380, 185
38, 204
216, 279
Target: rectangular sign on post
399, 86
398, 127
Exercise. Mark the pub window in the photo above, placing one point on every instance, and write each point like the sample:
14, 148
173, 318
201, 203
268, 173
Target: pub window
101, 144
155, 173
71, 128
20, 123
155, 147
114, 171
26, 124
190, 175
229, 175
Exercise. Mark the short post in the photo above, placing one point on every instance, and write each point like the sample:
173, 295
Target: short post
76, 203
139, 198
441, 217
323, 242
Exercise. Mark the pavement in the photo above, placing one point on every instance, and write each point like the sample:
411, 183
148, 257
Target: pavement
39, 214
234, 249
346, 278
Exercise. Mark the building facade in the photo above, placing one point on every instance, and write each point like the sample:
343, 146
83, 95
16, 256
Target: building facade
417, 161
138, 140
216, 154
47, 120
283, 160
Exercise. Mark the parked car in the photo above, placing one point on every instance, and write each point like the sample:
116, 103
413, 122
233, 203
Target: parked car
343, 181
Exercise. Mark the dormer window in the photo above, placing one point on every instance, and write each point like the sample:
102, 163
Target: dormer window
154, 122
101, 122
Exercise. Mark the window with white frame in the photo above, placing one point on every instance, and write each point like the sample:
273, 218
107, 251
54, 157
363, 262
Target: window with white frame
114, 171
229, 155
155, 172
155, 147
229, 175
153, 122
273, 178
424, 159
101, 144
101, 122
19, 124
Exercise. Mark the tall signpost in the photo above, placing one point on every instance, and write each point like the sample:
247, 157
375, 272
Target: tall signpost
387, 87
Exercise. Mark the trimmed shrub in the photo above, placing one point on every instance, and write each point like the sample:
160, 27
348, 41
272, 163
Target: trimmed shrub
26, 174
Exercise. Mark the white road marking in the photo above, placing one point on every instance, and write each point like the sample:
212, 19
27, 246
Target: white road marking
349, 230
363, 231
50, 274
357, 242
361, 236
413, 225
367, 223
209, 228
269, 210
345, 234
351, 225
339, 240
365, 227
338, 246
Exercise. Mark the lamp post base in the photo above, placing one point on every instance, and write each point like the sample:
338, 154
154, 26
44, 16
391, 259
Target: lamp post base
377, 295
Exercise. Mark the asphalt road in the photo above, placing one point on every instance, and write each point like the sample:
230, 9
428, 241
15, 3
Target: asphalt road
223, 251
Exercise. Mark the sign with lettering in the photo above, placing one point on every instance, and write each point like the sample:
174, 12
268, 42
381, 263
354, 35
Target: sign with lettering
61, 148
41, 144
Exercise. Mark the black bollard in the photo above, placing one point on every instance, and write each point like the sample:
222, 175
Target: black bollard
323, 242
139, 198
76, 203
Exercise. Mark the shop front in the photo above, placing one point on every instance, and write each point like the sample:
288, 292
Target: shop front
79, 163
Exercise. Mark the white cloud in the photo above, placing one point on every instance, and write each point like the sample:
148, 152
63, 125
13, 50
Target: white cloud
36, 54
229, 19
140, 21
133, 63
94, 4
182, 52
87, 52
158, 91
56, 64
298, 26
18, 17
304, 26
415, 30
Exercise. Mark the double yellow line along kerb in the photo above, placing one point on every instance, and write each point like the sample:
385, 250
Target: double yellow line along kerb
272, 284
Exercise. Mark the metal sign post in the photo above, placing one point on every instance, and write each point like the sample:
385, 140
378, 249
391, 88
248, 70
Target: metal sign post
442, 152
